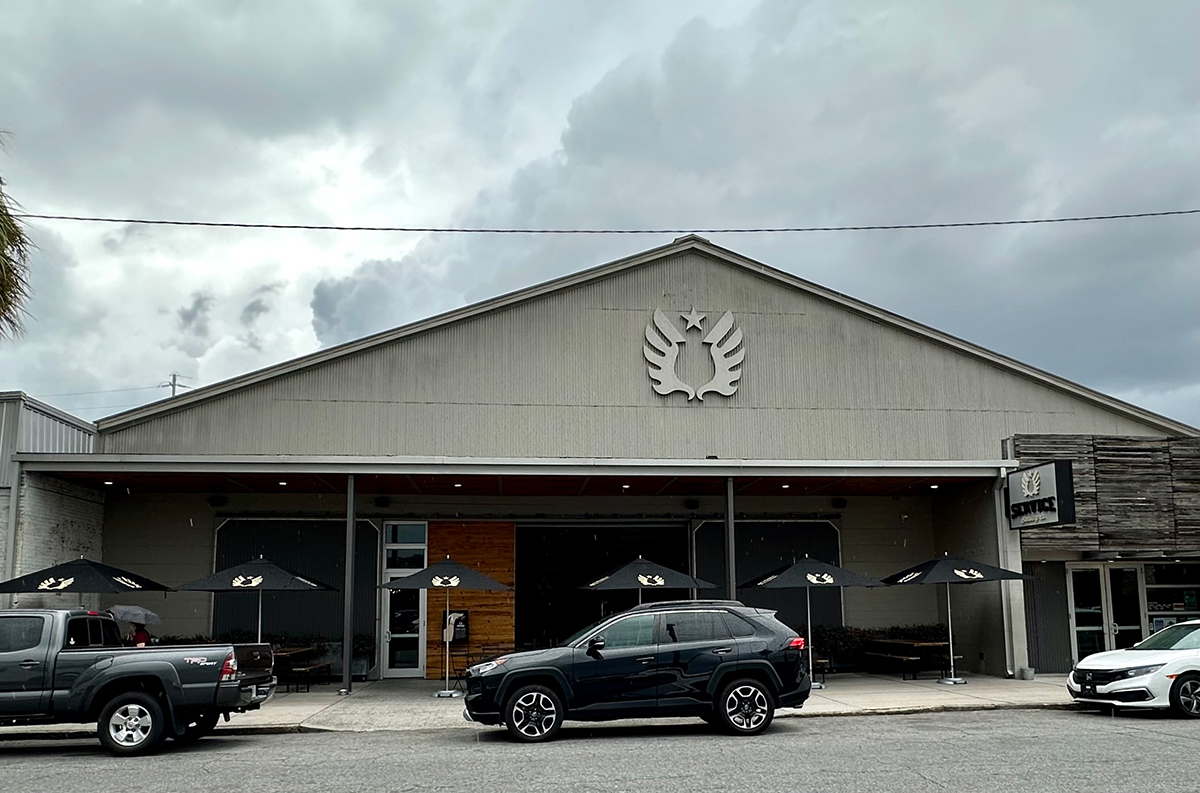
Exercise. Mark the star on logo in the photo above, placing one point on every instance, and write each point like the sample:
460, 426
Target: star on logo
693, 320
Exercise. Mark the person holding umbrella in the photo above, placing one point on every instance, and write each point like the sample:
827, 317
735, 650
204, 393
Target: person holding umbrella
138, 618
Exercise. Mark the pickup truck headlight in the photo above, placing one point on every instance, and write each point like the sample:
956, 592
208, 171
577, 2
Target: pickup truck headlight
1138, 671
487, 666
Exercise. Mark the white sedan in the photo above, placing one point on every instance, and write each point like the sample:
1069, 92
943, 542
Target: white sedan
1162, 671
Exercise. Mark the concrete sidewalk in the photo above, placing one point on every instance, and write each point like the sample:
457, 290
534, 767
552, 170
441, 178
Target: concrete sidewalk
410, 705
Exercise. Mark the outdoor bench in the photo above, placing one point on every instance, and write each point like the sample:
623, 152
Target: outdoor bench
295, 675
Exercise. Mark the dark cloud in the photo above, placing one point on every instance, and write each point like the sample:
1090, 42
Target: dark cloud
253, 310
193, 318
856, 114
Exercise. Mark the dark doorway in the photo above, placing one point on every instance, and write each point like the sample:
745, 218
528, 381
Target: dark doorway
553, 561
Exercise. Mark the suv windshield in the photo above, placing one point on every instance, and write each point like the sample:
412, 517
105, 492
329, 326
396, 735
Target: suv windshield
1176, 637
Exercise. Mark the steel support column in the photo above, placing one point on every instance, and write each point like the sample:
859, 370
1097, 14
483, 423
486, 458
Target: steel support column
348, 589
730, 550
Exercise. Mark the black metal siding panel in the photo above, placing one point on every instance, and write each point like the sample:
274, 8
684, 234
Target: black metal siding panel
1046, 619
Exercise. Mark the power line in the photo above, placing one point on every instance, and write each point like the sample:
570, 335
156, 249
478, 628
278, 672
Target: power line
461, 230
89, 393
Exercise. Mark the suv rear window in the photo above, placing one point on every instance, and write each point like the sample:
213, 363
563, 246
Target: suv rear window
693, 626
738, 626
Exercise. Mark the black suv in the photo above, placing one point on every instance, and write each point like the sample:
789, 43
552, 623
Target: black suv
724, 662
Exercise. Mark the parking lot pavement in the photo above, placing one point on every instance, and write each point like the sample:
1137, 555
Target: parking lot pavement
1005, 750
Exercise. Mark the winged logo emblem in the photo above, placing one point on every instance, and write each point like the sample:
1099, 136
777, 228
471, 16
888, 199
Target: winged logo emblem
819, 578
248, 581
971, 574
663, 340
651, 580
129, 582
444, 580
909, 577
52, 584
1031, 484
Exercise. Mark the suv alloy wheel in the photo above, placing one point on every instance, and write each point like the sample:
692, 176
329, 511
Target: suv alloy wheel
534, 713
745, 707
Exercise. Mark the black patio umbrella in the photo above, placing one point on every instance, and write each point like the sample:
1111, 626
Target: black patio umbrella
447, 574
806, 574
83, 575
947, 570
138, 615
642, 574
257, 575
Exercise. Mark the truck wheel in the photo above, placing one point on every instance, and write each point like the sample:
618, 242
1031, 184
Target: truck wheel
131, 723
200, 725
1185, 696
534, 713
745, 707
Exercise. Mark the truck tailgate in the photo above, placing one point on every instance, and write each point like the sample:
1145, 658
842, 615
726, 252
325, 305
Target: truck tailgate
255, 661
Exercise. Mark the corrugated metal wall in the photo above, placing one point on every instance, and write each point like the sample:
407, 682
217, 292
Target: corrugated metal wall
10, 412
41, 432
564, 376
1046, 618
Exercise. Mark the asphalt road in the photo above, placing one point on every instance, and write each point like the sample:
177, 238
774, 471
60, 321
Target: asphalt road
1008, 750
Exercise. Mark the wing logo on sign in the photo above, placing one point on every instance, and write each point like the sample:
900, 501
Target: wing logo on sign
53, 584
651, 580
819, 578
909, 577
247, 581
444, 580
129, 582
970, 574
1031, 484
662, 354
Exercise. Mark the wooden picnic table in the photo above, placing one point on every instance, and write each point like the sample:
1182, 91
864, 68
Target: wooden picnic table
291, 652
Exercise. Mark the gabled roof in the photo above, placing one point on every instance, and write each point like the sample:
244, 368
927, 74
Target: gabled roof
683, 244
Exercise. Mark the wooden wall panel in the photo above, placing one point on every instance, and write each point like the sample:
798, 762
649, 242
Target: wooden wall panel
1185, 487
1084, 533
1136, 503
491, 549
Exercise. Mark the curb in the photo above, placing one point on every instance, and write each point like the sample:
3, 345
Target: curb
283, 729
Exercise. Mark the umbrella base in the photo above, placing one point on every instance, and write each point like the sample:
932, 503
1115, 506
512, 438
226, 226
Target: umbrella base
817, 686
447, 694
953, 681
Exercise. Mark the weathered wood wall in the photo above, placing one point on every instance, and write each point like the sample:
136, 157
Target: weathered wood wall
490, 548
1131, 494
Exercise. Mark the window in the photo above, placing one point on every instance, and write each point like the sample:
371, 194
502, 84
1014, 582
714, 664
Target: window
404, 533
92, 632
403, 546
636, 631
20, 633
738, 626
694, 626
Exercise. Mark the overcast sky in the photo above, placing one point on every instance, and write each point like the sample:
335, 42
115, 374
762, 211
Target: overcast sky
615, 114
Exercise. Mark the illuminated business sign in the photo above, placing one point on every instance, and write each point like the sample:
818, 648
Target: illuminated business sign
1041, 496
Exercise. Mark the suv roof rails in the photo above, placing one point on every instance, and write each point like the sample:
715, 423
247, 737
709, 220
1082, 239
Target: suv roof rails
676, 603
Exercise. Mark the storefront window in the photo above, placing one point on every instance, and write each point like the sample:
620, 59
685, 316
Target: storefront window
1172, 594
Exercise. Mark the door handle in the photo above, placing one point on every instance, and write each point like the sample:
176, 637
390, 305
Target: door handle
722, 650
645, 659
29, 664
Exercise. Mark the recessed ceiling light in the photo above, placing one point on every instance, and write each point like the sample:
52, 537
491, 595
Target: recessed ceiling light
108, 483
933, 487
624, 487
458, 484
785, 487
283, 483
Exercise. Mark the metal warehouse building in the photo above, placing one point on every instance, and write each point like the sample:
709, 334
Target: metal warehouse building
687, 404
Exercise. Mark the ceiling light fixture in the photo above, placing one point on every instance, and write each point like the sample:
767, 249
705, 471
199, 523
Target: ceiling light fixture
624, 487
283, 483
108, 483
458, 484
785, 487
933, 487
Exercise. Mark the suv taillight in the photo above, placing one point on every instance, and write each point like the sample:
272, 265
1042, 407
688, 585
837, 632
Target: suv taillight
797, 643
229, 668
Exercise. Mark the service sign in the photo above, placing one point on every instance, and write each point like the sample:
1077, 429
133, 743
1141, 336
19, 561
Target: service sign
1043, 495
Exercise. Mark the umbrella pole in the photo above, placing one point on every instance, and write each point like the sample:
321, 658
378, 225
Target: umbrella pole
952, 680
260, 616
809, 630
447, 691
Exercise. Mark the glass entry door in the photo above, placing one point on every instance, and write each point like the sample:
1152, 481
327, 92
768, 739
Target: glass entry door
403, 638
1106, 608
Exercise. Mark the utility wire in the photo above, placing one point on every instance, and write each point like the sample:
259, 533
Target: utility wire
89, 393
460, 230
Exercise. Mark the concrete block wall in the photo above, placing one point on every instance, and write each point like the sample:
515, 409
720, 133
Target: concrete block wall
56, 522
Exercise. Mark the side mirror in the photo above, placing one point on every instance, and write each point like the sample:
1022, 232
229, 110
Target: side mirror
595, 645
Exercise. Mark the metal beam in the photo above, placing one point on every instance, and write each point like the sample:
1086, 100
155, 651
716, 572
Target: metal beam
348, 589
730, 549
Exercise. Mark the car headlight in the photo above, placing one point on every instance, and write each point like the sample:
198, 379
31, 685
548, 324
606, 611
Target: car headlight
1138, 671
487, 666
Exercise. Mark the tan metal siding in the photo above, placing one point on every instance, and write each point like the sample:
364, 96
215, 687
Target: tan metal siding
40, 432
564, 376
10, 411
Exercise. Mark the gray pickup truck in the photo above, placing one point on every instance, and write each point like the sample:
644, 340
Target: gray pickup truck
71, 667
